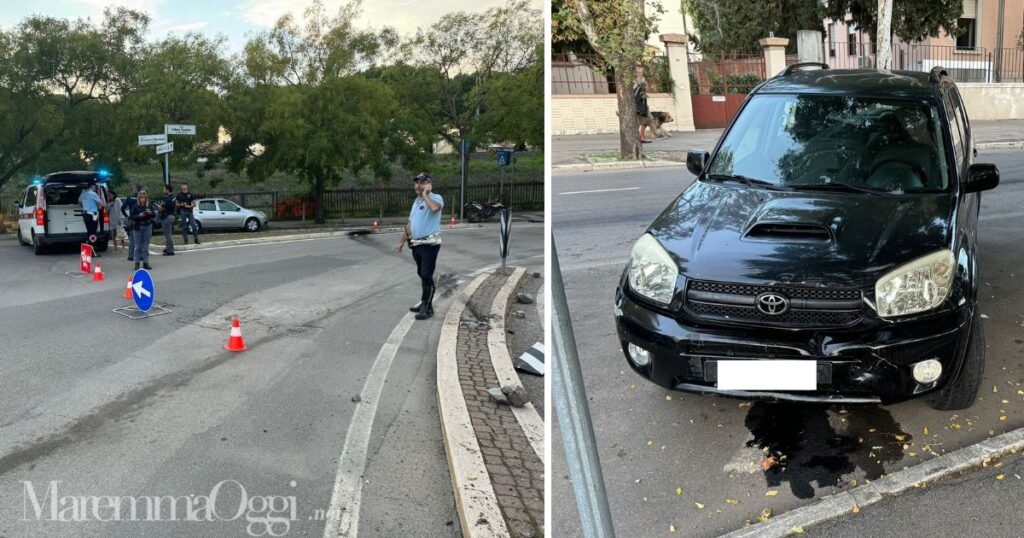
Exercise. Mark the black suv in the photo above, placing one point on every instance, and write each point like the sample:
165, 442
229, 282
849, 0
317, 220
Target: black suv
826, 252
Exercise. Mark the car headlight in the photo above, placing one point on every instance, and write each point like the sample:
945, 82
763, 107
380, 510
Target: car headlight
652, 273
917, 286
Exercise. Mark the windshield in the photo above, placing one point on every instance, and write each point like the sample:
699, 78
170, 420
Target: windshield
825, 141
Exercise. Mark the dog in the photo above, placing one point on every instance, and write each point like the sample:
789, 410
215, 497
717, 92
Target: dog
655, 121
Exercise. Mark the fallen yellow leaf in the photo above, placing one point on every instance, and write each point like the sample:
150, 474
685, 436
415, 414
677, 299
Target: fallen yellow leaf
766, 514
669, 397
1000, 476
731, 501
771, 493
679, 491
699, 506
856, 509
900, 437
671, 528
649, 443
926, 430
798, 530
994, 389
1002, 418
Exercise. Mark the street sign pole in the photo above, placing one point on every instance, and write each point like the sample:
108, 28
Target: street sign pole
167, 169
573, 414
174, 129
464, 146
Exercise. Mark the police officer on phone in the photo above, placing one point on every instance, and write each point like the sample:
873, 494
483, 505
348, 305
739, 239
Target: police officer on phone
423, 233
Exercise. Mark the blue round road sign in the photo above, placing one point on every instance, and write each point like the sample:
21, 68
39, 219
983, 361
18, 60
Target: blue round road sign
143, 290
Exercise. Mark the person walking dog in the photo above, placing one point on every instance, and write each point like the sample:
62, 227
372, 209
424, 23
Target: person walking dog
167, 207
423, 233
142, 215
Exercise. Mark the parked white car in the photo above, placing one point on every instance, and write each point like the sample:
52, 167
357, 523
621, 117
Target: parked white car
49, 212
218, 213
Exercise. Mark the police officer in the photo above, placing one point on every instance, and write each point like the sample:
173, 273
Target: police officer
91, 204
423, 232
186, 204
167, 207
129, 228
142, 215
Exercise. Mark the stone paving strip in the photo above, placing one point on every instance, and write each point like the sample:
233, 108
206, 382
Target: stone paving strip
497, 475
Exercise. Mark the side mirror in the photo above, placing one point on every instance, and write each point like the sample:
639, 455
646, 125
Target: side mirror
981, 177
696, 160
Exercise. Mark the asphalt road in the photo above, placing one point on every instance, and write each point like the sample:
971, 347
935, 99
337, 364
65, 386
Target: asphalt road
110, 406
653, 441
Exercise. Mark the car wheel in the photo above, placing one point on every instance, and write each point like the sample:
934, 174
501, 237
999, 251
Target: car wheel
37, 248
21, 240
252, 224
959, 393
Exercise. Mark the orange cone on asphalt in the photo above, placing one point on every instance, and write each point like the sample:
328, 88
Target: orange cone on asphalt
376, 226
97, 275
128, 289
235, 343
453, 221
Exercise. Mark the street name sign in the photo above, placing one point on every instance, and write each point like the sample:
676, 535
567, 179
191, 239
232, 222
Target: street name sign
152, 139
165, 148
180, 129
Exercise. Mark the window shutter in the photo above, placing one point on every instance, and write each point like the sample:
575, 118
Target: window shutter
970, 9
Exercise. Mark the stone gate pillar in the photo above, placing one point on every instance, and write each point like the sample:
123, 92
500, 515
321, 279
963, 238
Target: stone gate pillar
679, 70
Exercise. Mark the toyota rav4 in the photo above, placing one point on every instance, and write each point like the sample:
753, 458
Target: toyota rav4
827, 250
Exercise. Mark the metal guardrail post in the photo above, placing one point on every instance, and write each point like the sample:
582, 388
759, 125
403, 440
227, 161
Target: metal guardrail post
574, 417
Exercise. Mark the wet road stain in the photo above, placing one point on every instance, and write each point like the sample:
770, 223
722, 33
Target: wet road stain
813, 449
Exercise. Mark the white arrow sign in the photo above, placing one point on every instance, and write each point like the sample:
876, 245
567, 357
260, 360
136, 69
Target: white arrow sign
165, 148
180, 129
152, 140
140, 290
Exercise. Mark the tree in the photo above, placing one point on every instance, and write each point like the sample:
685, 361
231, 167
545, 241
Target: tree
304, 108
514, 108
617, 31
718, 31
912, 20
56, 73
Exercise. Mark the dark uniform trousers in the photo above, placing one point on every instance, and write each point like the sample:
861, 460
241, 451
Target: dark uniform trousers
426, 260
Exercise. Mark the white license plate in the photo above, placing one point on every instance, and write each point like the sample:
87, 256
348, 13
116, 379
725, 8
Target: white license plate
767, 375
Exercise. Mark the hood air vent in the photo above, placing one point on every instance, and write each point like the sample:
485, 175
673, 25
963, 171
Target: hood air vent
814, 233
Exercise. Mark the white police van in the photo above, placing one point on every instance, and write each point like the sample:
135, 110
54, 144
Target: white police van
49, 212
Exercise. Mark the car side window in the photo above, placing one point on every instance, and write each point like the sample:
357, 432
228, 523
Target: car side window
207, 205
228, 206
30, 197
956, 130
965, 126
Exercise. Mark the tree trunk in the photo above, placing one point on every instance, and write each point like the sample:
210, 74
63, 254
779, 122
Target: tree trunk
883, 60
318, 197
630, 148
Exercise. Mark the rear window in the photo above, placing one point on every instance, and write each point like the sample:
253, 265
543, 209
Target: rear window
62, 194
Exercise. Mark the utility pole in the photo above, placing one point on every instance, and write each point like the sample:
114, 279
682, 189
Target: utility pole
884, 57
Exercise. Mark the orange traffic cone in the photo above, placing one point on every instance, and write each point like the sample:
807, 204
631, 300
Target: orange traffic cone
97, 275
128, 289
376, 226
235, 343
453, 221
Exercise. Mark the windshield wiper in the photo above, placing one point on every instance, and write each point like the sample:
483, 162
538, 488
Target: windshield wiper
841, 187
749, 181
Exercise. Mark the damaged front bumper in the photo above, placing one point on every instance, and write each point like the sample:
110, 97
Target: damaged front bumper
868, 363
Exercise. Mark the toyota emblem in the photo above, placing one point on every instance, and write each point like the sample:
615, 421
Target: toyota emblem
772, 304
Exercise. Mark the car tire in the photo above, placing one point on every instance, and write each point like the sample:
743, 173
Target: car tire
37, 248
959, 393
21, 240
252, 224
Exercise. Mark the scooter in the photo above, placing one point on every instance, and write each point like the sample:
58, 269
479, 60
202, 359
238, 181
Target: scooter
476, 211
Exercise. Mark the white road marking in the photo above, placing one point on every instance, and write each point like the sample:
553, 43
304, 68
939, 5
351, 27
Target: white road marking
995, 216
602, 190
343, 512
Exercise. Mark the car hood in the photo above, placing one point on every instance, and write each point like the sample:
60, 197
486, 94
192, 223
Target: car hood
734, 233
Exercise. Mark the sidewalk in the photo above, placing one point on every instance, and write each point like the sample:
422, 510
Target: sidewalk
583, 149
492, 448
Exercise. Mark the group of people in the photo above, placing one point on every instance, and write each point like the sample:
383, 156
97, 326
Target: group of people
135, 216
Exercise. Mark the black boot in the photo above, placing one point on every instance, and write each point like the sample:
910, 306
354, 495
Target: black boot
136, 266
427, 305
416, 307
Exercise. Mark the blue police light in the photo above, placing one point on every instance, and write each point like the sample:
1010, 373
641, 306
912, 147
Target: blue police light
37, 181
103, 173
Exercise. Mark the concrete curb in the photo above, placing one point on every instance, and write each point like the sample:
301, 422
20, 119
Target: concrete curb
598, 167
632, 165
527, 416
475, 500
927, 472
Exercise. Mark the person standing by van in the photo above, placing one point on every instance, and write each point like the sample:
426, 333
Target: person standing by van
91, 204
186, 204
142, 215
114, 204
126, 210
167, 207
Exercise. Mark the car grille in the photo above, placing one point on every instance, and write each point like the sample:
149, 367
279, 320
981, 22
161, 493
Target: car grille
808, 307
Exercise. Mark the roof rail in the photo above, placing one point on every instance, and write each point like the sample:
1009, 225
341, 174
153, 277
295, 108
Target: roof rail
936, 74
800, 66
